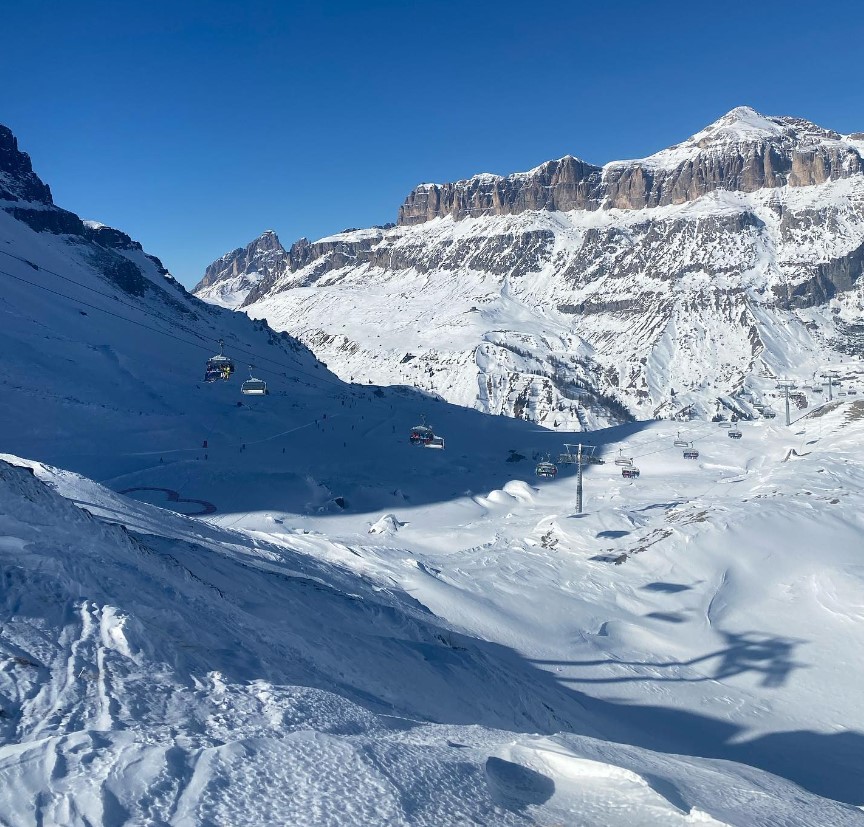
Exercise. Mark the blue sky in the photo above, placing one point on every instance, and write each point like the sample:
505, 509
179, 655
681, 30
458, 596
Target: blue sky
196, 126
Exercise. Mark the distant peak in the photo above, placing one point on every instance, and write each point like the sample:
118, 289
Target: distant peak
268, 240
740, 123
742, 113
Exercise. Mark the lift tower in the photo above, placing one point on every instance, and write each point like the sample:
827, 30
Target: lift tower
786, 385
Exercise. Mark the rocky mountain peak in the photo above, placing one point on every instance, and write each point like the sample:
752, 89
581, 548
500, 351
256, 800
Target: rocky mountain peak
228, 279
742, 151
18, 182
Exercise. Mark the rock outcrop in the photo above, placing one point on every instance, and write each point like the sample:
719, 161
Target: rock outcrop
228, 280
18, 182
742, 152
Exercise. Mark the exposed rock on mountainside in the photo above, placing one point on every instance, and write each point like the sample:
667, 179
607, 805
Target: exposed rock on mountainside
575, 295
743, 152
239, 271
18, 182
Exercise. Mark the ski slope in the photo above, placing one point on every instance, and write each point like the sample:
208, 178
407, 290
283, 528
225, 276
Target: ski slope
477, 660
219, 609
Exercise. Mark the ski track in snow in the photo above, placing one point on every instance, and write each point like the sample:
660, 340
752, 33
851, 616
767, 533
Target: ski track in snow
717, 612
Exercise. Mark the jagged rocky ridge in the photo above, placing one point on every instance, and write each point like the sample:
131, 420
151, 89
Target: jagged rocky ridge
238, 272
577, 295
743, 152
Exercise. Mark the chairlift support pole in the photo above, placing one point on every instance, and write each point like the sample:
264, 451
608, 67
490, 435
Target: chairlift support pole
579, 480
786, 385
830, 383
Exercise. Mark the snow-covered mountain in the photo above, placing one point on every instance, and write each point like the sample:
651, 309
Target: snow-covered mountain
229, 280
222, 609
576, 295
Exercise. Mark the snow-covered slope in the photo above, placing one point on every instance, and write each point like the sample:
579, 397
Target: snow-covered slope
708, 269
347, 629
267, 667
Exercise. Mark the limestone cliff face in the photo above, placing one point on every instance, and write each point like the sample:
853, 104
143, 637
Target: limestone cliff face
262, 255
742, 152
229, 279
565, 184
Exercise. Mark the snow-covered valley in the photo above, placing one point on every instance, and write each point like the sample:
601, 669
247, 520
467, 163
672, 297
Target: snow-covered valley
224, 609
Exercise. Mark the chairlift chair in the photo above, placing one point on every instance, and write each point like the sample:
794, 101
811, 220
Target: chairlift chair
436, 442
680, 443
421, 435
547, 470
253, 386
734, 434
630, 473
219, 364
691, 453
622, 460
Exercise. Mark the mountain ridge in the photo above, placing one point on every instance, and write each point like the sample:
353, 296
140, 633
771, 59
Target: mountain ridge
736, 255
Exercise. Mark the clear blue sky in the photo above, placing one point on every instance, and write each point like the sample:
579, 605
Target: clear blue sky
194, 126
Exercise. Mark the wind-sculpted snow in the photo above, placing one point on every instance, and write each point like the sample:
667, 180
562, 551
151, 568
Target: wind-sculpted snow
161, 669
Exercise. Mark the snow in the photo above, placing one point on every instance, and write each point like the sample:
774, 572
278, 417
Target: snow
190, 664
740, 126
311, 621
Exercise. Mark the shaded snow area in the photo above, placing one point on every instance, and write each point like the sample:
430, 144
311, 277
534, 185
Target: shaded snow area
685, 652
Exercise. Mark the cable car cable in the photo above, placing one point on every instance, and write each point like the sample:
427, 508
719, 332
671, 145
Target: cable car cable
294, 370
136, 308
